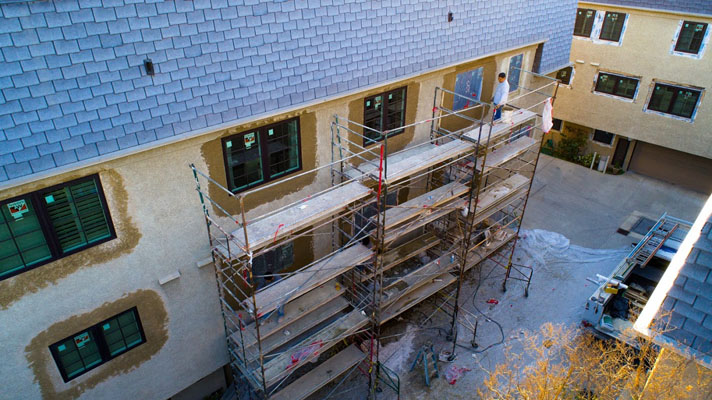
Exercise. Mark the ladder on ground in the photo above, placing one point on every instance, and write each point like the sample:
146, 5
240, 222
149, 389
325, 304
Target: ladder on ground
653, 242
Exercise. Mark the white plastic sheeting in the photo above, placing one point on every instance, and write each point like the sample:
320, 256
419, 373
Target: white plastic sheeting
546, 248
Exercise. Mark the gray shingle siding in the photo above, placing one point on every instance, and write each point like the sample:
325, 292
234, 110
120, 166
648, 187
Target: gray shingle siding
71, 71
683, 6
691, 304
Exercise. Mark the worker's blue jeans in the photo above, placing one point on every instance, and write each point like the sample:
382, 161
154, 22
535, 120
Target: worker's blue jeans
497, 114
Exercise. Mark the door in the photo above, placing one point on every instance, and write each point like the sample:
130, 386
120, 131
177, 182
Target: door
682, 169
620, 153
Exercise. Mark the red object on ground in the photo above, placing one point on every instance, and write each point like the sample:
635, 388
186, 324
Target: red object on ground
492, 301
453, 373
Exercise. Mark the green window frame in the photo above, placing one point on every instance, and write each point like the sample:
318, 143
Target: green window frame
691, 37
383, 112
674, 100
584, 22
52, 223
616, 85
263, 154
612, 26
85, 350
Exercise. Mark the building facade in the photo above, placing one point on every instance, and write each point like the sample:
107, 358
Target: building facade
104, 287
637, 88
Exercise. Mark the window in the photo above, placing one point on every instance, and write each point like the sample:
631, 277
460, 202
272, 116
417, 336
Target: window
468, 85
515, 70
564, 75
272, 262
584, 22
556, 124
674, 100
262, 154
612, 26
603, 137
690, 38
100, 343
616, 85
383, 112
52, 223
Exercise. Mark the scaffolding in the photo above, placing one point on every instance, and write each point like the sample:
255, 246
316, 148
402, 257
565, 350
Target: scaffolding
403, 226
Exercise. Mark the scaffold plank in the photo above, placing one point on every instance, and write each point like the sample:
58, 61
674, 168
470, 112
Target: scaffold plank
313, 346
307, 279
299, 215
479, 253
430, 216
495, 196
423, 203
507, 152
307, 321
321, 375
413, 160
294, 310
416, 278
517, 118
409, 249
416, 296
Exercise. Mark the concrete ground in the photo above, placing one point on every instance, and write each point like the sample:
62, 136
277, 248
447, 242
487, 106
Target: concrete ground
579, 204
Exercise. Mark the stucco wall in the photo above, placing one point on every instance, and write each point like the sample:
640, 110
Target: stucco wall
644, 52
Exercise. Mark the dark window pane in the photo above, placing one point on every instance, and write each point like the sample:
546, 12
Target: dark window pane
22, 242
626, 87
395, 110
373, 117
685, 102
121, 333
605, 84
77, 215
244, 160
78, 353
556, 125
691, 36
674, 100
515, 71
603, 137
584, 22
564, 75
383, 112
616, 85
661, 98
612, 26
283, 144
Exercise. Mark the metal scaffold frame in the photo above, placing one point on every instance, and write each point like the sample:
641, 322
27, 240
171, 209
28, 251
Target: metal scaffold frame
404, 225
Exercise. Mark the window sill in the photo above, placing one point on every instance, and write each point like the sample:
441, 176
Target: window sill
672, 116
613, 96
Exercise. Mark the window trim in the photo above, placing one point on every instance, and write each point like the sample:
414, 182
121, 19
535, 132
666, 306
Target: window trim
618, 96
35, 197
370, 142
263, 155
703, 44
102, 346
691, 118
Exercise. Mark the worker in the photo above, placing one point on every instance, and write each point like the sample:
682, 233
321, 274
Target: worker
501, 95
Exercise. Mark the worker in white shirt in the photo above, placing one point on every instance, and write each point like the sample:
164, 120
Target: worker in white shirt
501, 95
